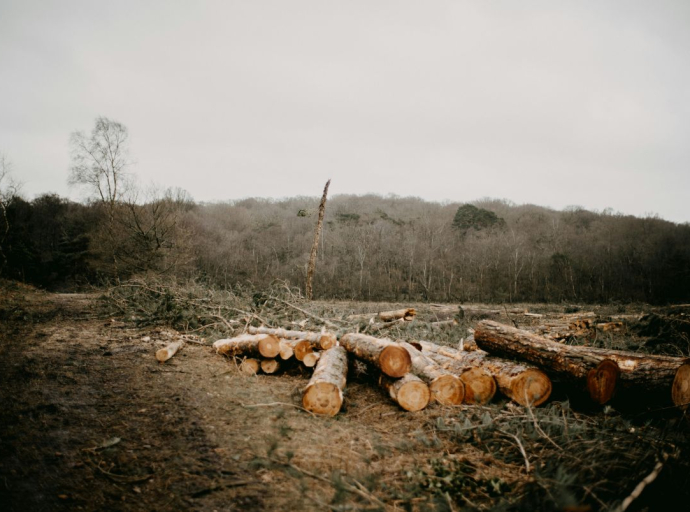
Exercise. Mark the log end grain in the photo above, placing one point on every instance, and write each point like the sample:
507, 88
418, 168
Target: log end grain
413, 396
286, 351
269, 346
395, 361
250, 366
531, 388
311, 359
480, 386
680, 391
323, 398
447, 390
328, 340
602, 381
270, 365
302, 348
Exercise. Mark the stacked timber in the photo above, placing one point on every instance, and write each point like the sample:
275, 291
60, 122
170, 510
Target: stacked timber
601, 371
522, 383
444, 387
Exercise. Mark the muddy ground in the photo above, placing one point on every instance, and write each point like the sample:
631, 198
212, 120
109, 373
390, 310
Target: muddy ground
91, 421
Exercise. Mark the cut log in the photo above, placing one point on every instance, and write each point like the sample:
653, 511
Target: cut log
409, 392
644, 372
166, 353
522, 383
680, 392
388, 356
325, 340
324, 393
480, 386
311, 359
445, 388
249, 366
602, 380
264, 345
270, 365
406, 314
286, 350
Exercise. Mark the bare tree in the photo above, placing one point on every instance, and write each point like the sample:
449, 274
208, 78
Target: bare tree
315, 245
99, 162
8, 190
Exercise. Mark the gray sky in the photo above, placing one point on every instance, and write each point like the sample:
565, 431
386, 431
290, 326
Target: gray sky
553, 103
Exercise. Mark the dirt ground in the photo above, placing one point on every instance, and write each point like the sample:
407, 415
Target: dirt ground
91, 421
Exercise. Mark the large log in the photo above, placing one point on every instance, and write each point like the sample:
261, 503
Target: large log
409, 392
324, 392
388, 356
522, 383
445, 388
264, 345
644, 372
166, 353
324, 340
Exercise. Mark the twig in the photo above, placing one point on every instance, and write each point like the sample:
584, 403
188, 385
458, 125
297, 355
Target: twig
539, 429
643, 484
522, 448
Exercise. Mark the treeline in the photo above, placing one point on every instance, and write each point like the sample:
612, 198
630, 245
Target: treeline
372, 248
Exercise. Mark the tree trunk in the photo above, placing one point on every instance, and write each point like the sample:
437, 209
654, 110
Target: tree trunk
522, 383
662, 374
325, 340
270, 365
324, 393
388, 356
315, 244
166, 353
264, 345
445, 388
409, 392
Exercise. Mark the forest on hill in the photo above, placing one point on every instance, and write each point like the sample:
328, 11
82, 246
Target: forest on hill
372, 247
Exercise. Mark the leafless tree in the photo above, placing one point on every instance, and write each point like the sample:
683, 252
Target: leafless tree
8, 190
99, 163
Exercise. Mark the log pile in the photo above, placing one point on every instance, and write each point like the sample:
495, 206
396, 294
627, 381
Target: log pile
495, 358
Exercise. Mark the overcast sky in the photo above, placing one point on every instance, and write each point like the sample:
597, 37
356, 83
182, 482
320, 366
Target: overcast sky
553, 103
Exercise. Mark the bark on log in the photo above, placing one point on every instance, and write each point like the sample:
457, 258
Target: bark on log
264, 345
388, 356
270, 365
325, 340
522, 383
409, 392
445, 388
166, 353
406, 314
660, 374
324, 393
250, 366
